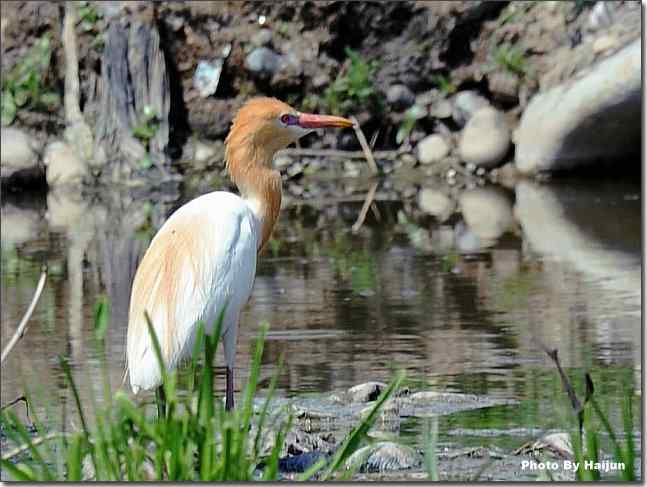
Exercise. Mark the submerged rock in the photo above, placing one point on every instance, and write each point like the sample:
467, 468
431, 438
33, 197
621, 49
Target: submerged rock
384, 456
485, 139
369, 391
300, 463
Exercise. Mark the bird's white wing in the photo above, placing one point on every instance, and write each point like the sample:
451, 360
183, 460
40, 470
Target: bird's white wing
202, 260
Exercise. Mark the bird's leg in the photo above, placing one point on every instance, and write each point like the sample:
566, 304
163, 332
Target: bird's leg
161, 402
229, 401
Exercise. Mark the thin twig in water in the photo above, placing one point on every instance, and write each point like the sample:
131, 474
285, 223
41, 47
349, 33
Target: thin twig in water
365, 147
25, 319
367, 204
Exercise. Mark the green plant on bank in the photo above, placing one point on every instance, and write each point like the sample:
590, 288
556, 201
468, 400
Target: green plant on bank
194, 438
88, 16
354, 90
411, 117
444, 84
27, 85
144, 131
511, 59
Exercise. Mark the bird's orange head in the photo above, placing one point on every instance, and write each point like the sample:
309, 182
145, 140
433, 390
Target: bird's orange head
265, 125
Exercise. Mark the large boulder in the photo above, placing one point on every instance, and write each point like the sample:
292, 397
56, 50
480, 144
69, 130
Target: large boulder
593, 117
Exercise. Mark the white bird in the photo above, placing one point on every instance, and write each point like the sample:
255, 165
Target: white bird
204, 256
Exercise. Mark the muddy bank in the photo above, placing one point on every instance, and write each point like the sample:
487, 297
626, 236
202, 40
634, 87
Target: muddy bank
418, 76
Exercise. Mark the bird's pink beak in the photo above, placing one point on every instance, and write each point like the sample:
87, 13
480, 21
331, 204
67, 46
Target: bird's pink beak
312, 121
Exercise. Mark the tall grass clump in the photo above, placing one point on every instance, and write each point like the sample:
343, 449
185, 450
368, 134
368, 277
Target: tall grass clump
192, 437
586, 442
585, 438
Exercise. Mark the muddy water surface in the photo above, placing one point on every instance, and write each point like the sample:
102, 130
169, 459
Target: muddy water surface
457, 295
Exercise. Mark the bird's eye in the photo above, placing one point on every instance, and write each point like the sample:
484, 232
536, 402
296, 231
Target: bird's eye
286, 119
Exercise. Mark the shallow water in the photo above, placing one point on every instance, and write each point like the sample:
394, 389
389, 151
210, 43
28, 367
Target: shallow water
459, 300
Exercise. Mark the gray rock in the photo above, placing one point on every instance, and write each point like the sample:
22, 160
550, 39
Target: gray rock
400, 96
207, 76
203, 152
18, 151
487, 212
466, 103
263, 61
383, 457
390, 411
63, 166
369, 391
431, 149
262, 38
485, 139
436, 202
595, 117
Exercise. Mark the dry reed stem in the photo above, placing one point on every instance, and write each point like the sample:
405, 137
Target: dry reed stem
368, 154
25, 319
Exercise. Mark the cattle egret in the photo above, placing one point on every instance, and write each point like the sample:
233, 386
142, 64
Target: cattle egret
203, 259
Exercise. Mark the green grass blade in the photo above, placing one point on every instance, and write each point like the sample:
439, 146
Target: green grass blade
266, 405
353, 441
431, 440
20, 472
629, 456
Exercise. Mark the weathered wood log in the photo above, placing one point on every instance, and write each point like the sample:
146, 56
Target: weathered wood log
134, 82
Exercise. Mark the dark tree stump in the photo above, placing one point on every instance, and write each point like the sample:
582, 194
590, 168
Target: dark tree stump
133, 80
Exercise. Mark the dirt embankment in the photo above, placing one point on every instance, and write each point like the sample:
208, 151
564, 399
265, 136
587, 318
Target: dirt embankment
397, 66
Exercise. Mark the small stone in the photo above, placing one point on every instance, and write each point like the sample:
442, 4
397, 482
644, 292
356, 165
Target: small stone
207, 76
262, 38
504, 86
485, 139
369, 391
400, 96
431, 149
281, 162
63, 166
605, 43
203, 152
466, 103
441, 109
263, 61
